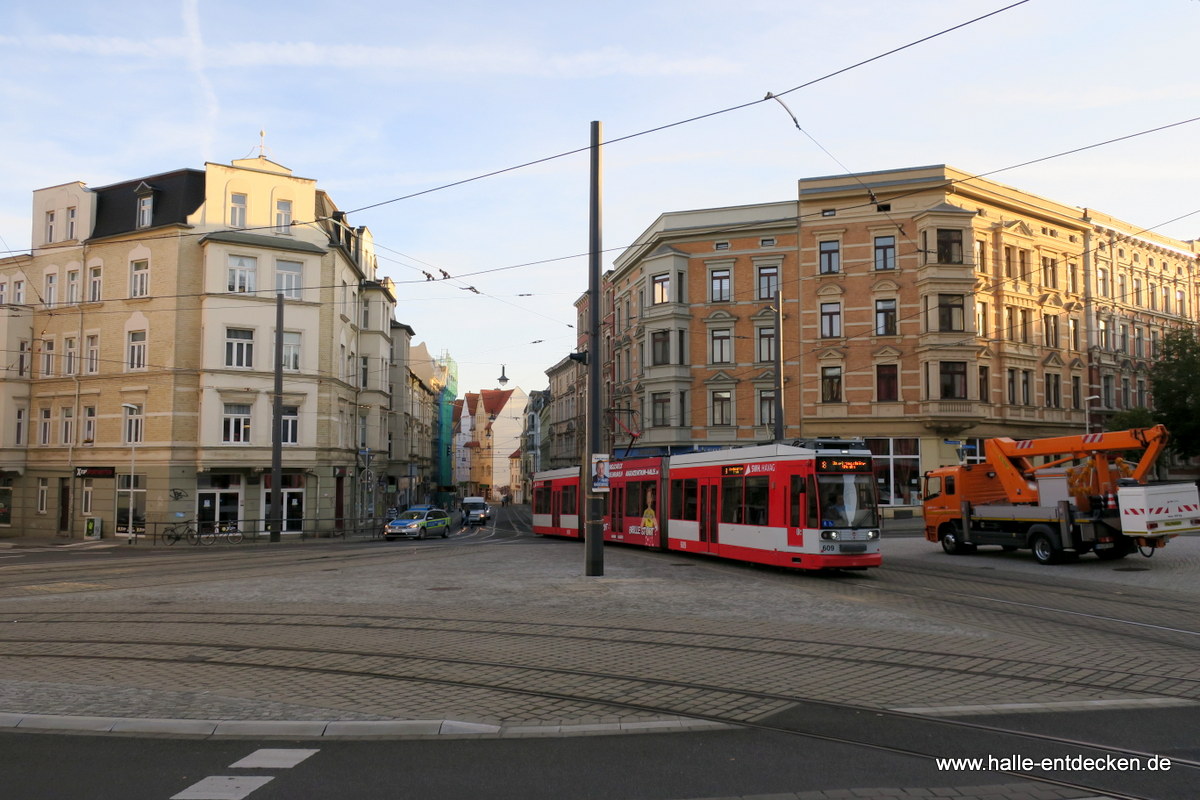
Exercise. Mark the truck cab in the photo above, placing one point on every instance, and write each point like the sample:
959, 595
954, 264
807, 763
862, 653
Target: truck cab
476, 511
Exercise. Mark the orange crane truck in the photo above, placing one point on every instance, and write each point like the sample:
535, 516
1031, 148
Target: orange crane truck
1084, 496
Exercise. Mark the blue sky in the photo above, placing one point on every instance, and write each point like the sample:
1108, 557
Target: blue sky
379, 99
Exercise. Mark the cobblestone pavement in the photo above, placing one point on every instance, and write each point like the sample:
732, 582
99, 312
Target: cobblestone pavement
512, 640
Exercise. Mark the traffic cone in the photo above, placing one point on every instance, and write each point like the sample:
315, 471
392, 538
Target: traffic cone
1110, 500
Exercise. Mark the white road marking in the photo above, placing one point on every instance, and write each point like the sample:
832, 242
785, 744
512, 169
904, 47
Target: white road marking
272, 759
223, 787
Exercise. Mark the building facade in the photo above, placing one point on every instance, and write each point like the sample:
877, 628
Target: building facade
143, 324
922, 310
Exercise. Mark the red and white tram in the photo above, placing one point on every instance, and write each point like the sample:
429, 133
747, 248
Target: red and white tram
809, 505
556, 507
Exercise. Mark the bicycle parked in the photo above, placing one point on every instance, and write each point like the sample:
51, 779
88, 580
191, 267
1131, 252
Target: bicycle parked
212, 531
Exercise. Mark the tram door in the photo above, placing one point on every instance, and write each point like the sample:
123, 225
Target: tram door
555, 507
710, 493
616, 509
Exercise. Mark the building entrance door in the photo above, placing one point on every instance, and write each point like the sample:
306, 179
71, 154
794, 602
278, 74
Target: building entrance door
213, 506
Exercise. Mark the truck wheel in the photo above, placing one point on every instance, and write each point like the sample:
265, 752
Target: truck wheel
1044, 549
952, 542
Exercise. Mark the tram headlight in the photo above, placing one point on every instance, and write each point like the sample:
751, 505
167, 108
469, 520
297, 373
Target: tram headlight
829, 535
872, 535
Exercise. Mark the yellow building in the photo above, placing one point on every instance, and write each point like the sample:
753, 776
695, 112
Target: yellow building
141, 327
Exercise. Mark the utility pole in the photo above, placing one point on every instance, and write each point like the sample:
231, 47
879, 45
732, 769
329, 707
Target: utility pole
275, 514
778, 366
593, 534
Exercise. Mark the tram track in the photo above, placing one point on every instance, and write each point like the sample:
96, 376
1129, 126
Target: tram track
827, 721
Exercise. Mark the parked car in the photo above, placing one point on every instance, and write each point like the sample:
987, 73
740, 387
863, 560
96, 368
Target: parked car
476, 511
419, 522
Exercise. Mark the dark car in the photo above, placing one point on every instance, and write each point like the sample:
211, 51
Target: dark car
419, 522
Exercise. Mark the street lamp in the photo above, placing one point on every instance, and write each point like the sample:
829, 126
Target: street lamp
133, 441
1087, 412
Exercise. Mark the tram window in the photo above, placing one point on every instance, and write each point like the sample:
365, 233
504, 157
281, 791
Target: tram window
569, 494
683, 499
795, 501
541, 500
757, 499
731, 500
813, 512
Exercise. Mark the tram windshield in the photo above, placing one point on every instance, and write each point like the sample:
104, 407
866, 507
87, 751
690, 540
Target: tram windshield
847, 500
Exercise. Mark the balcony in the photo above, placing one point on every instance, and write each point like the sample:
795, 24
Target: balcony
950, 417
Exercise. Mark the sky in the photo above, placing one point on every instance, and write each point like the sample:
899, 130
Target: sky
405, 110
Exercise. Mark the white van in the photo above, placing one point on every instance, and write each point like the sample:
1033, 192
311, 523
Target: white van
476, 511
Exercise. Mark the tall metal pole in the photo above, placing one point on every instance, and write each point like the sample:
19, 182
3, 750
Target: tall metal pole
275, 515
593, 535
778, 366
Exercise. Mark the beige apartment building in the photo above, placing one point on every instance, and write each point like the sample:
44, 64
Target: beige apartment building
141, 329
923, 310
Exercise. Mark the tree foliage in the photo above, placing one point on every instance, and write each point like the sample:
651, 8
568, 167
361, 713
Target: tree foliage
1131, 418
1175, 381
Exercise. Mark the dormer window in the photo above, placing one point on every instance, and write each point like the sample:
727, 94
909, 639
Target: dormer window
237, 211
145, 205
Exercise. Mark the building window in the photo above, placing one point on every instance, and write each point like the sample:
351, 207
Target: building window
43, 495
985, 385
71, 222
1106, 391
831, 320
885, 252
89, 425
235, 424
831, 384
19, 428
887, 383
19, 292
1026, 387
70, 355
1026, 325
49, 226
766, 344
94, 284
660, 289
132, 430
291, 350
1012, 387
897, 464
885, 317
24, 358
768, 282
237, 211
722, 407
949, 246
364, 370
73, 287
288, 275
136, 351
1102, 334
719, 285
1050, 273
951, 313
145, 210
722, 346
953, 380
50, 295
243, 273
660, 409
766, 407
1102, 282
289, 432
283, 216
660, 347
829, 257
139, 278
47, 358
91, 354
1050, 329
67, 419
1053, 390
44, 426
87, 497
3, 293
239, 348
